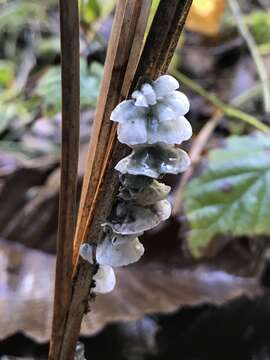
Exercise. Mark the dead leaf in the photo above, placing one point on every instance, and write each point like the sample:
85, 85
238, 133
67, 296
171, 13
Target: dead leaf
205, 16
27, 282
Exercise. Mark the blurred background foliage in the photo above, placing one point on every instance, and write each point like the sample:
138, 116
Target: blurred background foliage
224, 198
30, 90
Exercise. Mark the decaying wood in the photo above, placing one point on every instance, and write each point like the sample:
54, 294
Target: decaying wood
70, 69
98, 208
138, 291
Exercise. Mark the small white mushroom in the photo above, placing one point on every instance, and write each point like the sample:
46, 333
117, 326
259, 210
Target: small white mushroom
79, 351
126, 111
171, 107
105, 277
154, 161
133, 131
151, 194
119, 250
155, 115
149, 94
135, 183
133, 219
169, 132
86, 252
164, 85
150, 131
145, 96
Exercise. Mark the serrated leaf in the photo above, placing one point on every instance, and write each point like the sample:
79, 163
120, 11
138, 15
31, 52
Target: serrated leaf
49, 86
232, 196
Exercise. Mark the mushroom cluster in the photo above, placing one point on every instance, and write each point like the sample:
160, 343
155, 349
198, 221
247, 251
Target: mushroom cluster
151, 124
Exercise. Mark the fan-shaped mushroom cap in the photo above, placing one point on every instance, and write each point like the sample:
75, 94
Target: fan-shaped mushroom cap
164, 85
154, 161
151, 194
119, 250
105, 279
130, 218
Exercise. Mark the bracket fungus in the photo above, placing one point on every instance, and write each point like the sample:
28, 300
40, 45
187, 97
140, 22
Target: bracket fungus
151, 124
154, 161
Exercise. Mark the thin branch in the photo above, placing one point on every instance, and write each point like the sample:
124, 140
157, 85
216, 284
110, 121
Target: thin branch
128, 30
195, 155
70, 67
153, 63
228, 110
262, 72
167, 24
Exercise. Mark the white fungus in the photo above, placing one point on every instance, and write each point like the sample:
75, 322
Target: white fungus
104, 277
154, 161
119, 253
155, 115
151, 123
151, 194
133, 218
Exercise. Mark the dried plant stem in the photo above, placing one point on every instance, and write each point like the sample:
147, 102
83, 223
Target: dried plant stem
228, 110
70, 65
262, 72
96, 202
128, 29
124, 50
167, 25
195, 155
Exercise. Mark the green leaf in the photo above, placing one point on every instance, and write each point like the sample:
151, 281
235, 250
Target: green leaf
14, 15
11, 108
232, 196
7, 72
49, 86
91, 10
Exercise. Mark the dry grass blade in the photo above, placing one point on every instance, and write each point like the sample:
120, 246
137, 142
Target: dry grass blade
70, 66
195, 156
124, 49
97, 201
123, 52
163, 37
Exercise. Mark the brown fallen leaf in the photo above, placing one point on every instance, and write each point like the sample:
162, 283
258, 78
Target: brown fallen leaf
205, 16
27, 281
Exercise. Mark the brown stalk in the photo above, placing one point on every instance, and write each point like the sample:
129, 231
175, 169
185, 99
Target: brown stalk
70, 66
125, 46
96, 203
123, 51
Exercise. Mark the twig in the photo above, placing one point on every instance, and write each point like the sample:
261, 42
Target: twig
131, 15
262, 72
70, 65
170, 17
152, 63
247, 95
228, 110
195, 155
129, 24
